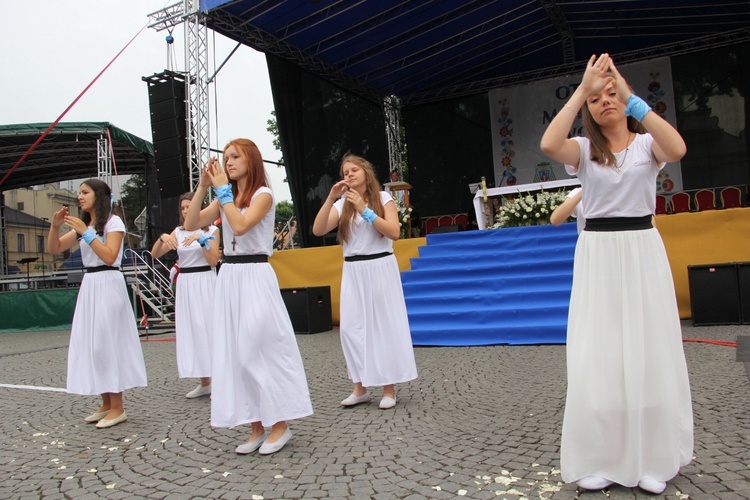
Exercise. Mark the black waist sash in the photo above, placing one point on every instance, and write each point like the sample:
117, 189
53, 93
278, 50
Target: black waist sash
245, 259
619, 224
97, 269
373, 256
197, 269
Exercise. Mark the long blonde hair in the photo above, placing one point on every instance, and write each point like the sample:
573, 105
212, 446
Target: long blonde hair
372, 195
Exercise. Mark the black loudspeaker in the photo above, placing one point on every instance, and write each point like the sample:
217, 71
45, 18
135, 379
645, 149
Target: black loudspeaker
309, 308
743, 277
166, 98
714, 294
446, 229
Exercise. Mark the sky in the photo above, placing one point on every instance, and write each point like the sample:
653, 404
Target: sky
52, 49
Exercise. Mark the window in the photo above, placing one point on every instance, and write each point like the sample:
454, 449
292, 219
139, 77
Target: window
21, 239
20, 206
39, 243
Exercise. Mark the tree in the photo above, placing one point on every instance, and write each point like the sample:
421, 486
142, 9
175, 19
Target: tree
273, 127
134, 199
284, 212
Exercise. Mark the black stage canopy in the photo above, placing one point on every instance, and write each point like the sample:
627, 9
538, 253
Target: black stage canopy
424, 51
68, 152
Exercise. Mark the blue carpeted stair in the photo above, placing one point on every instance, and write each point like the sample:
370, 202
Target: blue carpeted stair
506, 286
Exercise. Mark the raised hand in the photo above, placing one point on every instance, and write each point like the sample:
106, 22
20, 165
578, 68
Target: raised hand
59, 217
217, 173
338, 190
597, 75
623, 90
76, 224
355, 199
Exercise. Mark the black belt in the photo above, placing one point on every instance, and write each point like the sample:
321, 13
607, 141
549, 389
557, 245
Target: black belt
198, 269
373, 256
97, 269
245, 259
619, 224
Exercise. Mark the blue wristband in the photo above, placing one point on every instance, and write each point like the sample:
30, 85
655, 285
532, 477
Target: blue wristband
88, 236
224, 194
204, 241
368, 215
637, 107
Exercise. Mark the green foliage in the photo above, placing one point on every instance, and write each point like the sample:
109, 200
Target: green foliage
284, 212
134, 199
273, 128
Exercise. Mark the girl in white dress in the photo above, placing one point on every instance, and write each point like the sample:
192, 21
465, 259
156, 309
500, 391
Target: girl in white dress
104, 356
375, 333
628, 415
257, 370
198, 253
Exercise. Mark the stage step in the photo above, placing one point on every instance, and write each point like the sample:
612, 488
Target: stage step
504, 286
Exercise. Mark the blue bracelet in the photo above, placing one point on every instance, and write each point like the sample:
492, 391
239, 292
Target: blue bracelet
224, 194
368, 215
636, 107
204, 241
88, 236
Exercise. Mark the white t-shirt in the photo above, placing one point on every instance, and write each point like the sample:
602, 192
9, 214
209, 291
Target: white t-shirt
629, 193
363, 238
89, 258
258, 240
192, 255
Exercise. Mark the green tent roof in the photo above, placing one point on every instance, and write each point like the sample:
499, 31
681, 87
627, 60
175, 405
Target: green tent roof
68, 152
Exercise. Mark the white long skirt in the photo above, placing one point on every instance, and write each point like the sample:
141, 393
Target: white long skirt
375, 334
194, 323
257, 371
105, 353
628, 412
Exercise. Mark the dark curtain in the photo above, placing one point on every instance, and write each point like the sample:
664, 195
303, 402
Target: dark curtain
449, 144
319, 123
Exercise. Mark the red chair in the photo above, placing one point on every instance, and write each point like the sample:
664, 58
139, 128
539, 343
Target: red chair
445, 220
680, 202
462, 220
731, 197
705, 199
428, 224
661, 205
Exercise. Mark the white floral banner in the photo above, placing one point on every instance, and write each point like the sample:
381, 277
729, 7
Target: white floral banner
521, 114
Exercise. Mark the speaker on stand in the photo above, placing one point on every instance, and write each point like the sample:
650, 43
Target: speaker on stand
171, 176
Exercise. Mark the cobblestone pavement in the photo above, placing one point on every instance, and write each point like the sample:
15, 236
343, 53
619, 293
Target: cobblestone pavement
480, 422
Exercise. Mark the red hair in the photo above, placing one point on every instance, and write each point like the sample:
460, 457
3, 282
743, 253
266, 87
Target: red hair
256, 173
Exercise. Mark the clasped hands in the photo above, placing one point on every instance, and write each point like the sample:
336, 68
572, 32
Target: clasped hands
214, 174
352, 196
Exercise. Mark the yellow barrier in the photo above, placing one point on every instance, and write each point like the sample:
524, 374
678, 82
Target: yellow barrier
322, 266
710, 237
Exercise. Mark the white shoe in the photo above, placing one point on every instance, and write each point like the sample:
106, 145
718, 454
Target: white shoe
268, 448
104, 423
250, 446
96, 416
387, 402
652, 485
594, 483
199, 391
355, 400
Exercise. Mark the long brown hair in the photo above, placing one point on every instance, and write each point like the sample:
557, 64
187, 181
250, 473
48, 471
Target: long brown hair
256, 173
600, 150
372, 195
102, 204
188, 196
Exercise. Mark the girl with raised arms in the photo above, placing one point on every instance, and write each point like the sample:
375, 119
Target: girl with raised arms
257, 371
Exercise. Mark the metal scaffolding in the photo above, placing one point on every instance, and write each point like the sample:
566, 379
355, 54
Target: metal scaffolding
196, 81
103, 160
392, 115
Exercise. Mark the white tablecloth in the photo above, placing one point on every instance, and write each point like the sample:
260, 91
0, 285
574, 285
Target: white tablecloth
520, 188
